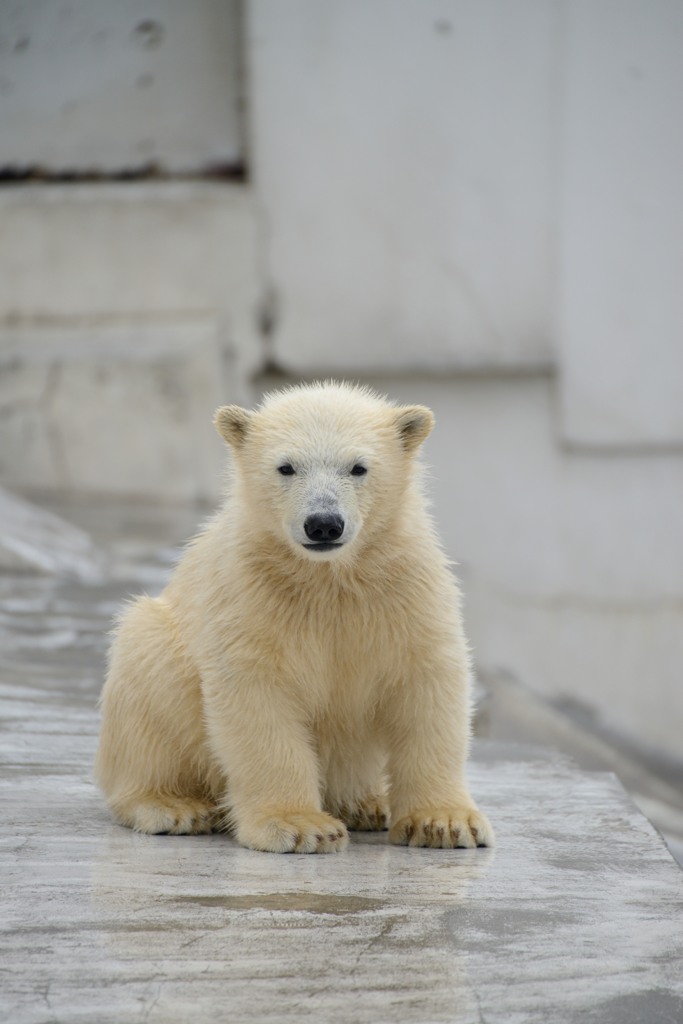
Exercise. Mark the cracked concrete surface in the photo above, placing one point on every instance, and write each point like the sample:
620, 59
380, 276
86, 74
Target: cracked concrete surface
574, 916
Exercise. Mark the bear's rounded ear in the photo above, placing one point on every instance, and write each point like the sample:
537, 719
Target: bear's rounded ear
232, 423
414, 424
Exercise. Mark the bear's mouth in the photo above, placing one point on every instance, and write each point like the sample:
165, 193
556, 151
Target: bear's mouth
324, 545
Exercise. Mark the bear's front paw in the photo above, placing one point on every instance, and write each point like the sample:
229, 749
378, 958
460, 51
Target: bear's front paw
443, 828
368, 815
293, 831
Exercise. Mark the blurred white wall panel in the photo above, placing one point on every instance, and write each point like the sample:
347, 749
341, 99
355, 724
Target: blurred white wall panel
127, 314
404, 160
620, 316
112, 85
117, 250
112, 408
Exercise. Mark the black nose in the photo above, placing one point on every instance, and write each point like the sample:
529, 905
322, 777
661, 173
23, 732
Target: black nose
324, 526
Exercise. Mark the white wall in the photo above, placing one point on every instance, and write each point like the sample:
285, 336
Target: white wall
403, 154
620, 311
127, 314
127, 311
472, 204
112, 85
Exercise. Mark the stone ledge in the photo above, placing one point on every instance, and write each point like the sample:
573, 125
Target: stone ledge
573, 917
129, 250
116, 408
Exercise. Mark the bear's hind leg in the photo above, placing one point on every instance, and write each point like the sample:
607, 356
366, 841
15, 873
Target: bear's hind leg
369, 814
153, 763
157, 813
356, 788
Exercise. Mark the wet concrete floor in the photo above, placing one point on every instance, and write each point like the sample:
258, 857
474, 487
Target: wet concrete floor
576, 915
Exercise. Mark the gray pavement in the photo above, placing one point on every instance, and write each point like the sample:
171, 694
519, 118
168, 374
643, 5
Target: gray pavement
576, 915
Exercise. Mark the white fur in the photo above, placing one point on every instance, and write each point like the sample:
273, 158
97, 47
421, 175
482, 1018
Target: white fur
288, 693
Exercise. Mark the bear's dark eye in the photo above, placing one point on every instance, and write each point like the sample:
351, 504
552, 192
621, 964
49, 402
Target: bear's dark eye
286, 470
358, 470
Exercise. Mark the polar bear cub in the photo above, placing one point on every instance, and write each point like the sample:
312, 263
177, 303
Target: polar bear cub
305, 671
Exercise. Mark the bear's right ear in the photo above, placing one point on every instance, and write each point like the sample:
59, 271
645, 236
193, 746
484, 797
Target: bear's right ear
232, 423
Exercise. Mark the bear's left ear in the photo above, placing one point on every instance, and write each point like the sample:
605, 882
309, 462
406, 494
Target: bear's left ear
232, 423
414, 424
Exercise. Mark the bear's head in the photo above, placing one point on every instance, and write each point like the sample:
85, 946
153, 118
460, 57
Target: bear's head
327, 468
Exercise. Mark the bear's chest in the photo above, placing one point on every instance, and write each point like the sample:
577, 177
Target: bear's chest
346, 649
